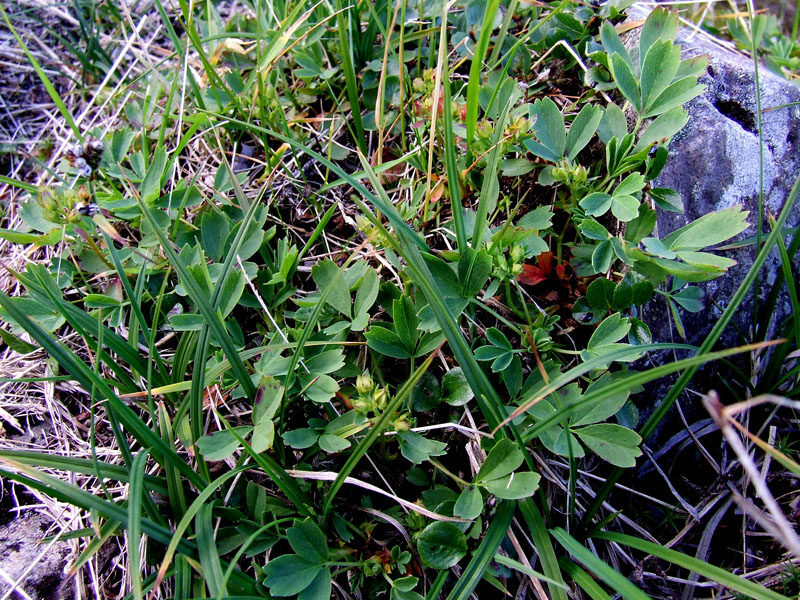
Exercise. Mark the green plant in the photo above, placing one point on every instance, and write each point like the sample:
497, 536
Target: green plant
300, 349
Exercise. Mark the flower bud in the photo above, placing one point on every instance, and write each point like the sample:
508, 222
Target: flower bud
380, 397
362, 406
401, 425
364, 383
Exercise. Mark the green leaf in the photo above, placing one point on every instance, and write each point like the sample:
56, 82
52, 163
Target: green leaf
151, 186
631, 185
406, 322
548, 126
215, 228
642, 226
639, 334
386, 342
613, 44
514, 486
47, 318
600, 294
319, 588
709, 230
231, 293
582, 129
667, 199
474, 269
596, 204
441, 545
503, 459
455, 388
706, 261
611, 442
663, 128
603, 256
427, 394
657, 247
300, 438
221, 444
319, 388
339, 294
516, 167
676, 94
611, 330
626, 81
613, 124
308, 541
658, 69
690, 298
593, 230
290, 574
18, 345
661, 24
417, 448
327, 361
498, 338
263, 436
365, 297
469, 504
624, 207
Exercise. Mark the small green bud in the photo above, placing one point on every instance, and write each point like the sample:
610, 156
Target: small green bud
364, 383
401, 426
362, 406
380, 397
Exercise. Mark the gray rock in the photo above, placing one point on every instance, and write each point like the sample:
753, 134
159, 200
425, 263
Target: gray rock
714, 164
43, 574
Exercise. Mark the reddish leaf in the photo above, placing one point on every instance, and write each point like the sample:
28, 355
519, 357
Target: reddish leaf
531, 275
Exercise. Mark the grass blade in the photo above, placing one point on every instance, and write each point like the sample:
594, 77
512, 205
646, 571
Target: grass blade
544, 548
583, 555
475, 72
207, 547
485, 552
721, 576
135, 492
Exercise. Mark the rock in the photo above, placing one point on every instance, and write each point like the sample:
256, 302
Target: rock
21, 549
714, 164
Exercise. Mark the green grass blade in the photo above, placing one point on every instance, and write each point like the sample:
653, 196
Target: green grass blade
135, 492
374, 432
176, 495
485, 552
584, 580
84, 466
586, 557
19, 184
207, 547
544, 548
489, 178
351, 82
475, 72
88, 379
61, 490
450, 161
721, 576
518, 566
